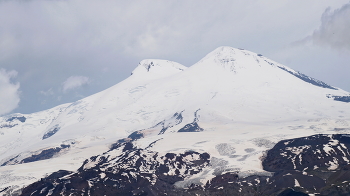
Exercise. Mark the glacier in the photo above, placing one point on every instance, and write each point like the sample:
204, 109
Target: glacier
233, 104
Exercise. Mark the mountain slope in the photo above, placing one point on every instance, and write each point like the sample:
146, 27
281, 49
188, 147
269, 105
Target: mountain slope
233, 104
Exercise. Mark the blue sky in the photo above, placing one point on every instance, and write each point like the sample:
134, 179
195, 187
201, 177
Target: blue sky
54, 52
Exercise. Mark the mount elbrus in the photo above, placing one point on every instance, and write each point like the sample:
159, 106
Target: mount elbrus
235, 123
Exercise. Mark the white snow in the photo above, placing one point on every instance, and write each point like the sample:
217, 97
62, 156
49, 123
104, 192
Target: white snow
296, 183
328, 149
246, 103
332, 165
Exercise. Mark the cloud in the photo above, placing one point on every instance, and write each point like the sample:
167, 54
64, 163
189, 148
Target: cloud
74, 82
9, 96
49, 41
334, 30
47, 92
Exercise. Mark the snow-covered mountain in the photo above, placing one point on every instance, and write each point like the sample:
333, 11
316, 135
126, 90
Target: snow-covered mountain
233, 105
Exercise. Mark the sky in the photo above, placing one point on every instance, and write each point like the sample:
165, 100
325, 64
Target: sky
59, 51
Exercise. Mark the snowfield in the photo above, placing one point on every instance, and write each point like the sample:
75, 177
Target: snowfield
233, 104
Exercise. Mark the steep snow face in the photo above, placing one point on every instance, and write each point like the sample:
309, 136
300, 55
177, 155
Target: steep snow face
235, 103
239, 83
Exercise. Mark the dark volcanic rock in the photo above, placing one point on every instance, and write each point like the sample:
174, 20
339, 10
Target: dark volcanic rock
8, 162
161, 126
136, 135
175, 120
13, 121
191, 127
317, 164
308, 79
8, 126
20, 118
125, 170
291, 192
51, 132
45, 154
308, 153
41, 155
342, 98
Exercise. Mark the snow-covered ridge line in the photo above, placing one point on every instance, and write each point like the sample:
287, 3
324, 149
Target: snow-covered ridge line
232, 99
157, 68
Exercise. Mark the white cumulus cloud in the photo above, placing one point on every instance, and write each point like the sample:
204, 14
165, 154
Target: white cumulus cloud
74, 82
9, 92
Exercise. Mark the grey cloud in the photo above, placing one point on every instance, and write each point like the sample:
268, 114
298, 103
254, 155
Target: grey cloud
74, 82
48, 92
335, 28
49, 41
9, 96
